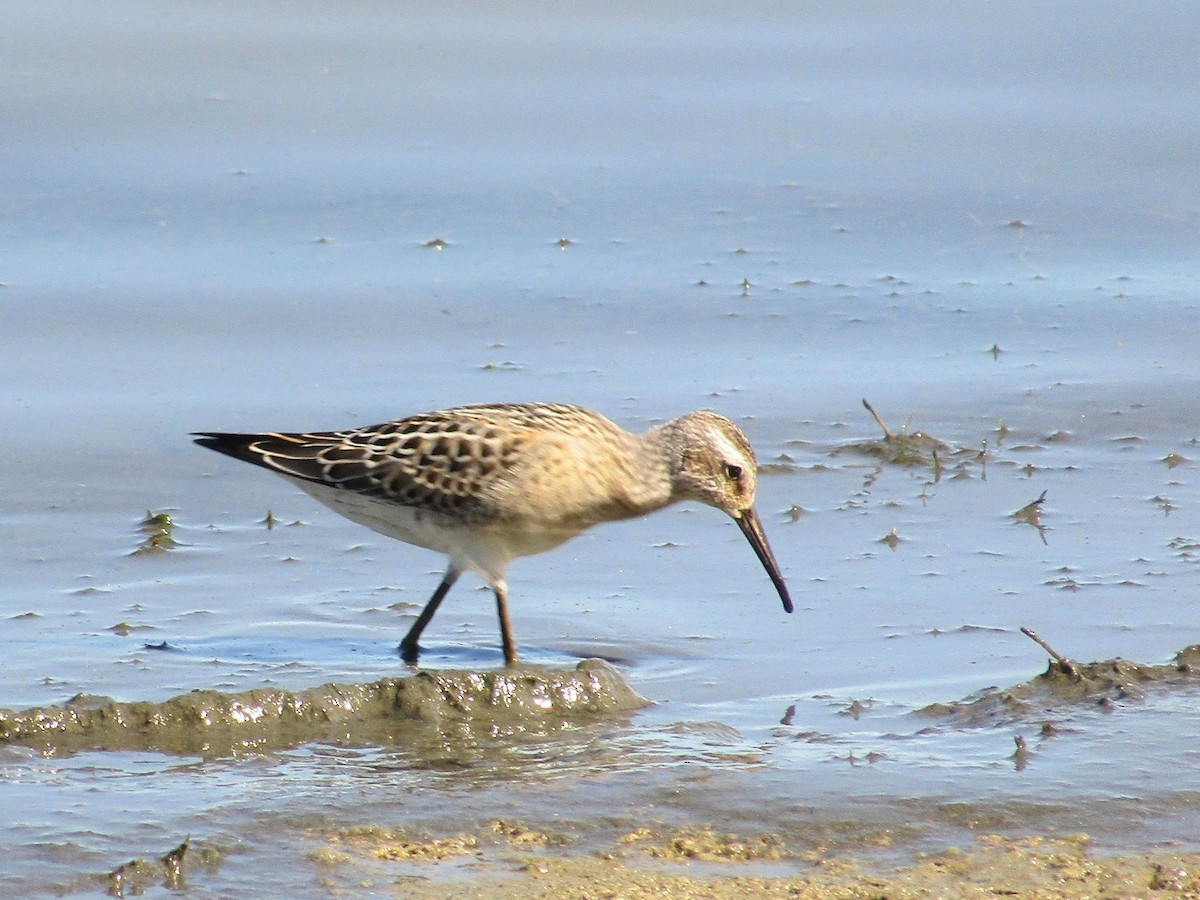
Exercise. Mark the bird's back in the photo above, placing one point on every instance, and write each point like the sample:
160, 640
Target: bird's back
474, 464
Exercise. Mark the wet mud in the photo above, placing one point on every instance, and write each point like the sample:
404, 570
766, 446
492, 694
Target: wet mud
903, 447
388, 711
138, 876
507, 860
502, 858
1066, 687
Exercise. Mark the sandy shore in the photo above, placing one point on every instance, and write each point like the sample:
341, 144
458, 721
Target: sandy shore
513, 862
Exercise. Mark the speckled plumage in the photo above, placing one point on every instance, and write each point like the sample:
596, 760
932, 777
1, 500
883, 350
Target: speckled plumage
488, 483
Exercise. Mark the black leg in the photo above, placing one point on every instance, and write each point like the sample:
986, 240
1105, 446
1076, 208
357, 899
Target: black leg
408, 647
506, 636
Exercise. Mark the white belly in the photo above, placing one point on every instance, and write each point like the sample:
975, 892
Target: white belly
485, 549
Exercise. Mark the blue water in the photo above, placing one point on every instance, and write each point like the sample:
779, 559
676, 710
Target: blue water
218, 216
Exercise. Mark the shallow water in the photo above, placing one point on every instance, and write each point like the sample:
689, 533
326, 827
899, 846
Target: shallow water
218, 218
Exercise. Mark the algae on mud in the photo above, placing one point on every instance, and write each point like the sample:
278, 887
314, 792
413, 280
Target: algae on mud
213, 723
170, 871
1100, 684
159, 530
714, 867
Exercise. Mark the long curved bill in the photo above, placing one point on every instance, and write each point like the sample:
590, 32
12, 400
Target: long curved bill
752, 528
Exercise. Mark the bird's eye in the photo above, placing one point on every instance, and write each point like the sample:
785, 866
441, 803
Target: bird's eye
733, 472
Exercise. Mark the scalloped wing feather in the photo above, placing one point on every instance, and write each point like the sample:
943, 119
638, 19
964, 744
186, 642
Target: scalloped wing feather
441, 461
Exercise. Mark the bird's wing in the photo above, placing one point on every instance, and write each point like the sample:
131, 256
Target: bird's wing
438, 461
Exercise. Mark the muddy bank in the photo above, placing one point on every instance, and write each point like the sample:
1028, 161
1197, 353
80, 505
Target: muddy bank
1067, 686
508, 860
503, 859
520, 700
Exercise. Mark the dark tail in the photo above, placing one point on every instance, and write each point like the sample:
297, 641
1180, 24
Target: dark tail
235, 445
297, 455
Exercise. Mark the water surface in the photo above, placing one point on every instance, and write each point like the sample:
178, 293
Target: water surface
219, 217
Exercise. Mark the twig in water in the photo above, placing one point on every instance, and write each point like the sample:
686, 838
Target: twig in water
1020, 757
173, 864
1063, 663
1031, 514
1032, 508
887, 432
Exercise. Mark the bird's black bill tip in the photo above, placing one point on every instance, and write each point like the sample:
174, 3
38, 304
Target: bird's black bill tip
752, 528
784, 596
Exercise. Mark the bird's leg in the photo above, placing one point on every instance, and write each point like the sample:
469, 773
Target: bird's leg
408, 647
506, 635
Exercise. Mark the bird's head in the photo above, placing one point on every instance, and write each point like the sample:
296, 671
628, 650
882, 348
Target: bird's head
713, 463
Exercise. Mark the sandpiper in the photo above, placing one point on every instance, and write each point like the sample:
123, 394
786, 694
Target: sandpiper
486, 484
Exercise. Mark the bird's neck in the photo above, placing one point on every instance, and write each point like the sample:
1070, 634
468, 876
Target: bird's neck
654, 467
